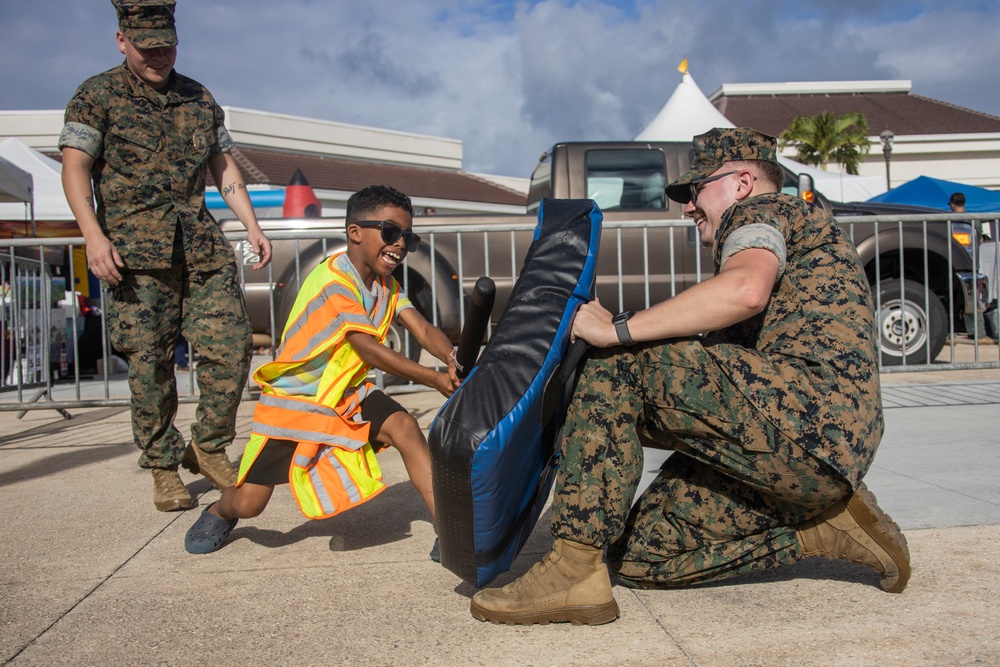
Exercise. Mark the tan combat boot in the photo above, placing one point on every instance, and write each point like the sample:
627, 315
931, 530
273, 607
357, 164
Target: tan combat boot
570, 583
169, 493
216, 467
857, 530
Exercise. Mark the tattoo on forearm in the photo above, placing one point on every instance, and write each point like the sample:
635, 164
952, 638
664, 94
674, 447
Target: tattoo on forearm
231, 188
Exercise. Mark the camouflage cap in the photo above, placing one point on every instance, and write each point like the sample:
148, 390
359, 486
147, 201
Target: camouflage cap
148, 24
718, 146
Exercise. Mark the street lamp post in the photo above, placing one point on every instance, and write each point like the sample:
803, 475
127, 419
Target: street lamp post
887, 136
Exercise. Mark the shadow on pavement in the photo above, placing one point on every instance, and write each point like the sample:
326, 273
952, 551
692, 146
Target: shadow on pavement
64, 459
382, 520
62, 425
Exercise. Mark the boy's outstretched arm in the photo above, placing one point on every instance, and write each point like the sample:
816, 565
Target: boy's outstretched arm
389, 361
431, 339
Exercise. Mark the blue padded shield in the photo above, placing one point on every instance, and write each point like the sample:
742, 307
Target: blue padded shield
493, 442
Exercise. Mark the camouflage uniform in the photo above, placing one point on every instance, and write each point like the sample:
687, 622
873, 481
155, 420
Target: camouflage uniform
150, 153
771, 420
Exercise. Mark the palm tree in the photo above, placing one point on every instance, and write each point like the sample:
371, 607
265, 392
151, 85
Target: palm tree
826, 138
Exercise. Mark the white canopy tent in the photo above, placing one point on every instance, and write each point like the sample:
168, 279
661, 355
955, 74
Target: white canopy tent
49, 200
689, 113
16, 193
15, 183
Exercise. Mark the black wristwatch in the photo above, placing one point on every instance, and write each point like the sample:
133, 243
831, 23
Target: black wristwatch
621, 327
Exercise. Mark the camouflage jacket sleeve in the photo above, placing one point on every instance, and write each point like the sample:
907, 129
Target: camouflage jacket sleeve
223, 141
756, 235
752, 223
86, 120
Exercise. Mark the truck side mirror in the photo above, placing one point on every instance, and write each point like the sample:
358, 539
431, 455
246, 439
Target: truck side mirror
807, 189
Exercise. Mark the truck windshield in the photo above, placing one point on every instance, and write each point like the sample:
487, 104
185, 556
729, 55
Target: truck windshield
626, 179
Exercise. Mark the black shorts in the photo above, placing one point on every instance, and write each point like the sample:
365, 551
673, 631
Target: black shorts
271, 466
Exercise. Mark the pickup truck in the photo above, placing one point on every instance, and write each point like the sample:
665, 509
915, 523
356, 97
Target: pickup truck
907, 262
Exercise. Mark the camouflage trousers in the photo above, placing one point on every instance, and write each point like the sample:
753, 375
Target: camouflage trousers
145, 312
726, 500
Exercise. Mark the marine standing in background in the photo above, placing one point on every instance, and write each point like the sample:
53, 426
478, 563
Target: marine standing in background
136, 144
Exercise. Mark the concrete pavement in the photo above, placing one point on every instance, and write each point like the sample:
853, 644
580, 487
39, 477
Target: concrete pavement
93, 574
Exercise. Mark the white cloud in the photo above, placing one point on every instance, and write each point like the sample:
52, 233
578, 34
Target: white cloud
510, 78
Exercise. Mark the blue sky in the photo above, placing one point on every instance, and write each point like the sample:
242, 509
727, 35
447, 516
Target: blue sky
511, 78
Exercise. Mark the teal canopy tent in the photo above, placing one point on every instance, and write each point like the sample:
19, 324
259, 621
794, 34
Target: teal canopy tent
934, 193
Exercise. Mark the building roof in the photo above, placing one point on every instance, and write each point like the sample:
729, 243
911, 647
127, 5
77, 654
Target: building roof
264, 167
770, 108
276, 168
333, 156
298, 134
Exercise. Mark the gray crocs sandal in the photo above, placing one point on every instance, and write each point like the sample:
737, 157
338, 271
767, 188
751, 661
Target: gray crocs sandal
435, 553
208, 533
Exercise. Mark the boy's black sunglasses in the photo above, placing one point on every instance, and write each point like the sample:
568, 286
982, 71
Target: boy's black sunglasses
391, 233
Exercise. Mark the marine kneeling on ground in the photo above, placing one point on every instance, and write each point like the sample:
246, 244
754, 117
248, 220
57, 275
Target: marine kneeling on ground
773, 417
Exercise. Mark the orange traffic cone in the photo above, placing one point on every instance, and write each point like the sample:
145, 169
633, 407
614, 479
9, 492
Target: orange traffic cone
300, 200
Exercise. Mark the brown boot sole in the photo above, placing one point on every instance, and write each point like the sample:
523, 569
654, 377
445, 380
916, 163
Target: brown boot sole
583, 615
884, 531
173, 505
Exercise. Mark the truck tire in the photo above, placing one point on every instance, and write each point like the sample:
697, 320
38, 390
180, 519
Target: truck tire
908, 321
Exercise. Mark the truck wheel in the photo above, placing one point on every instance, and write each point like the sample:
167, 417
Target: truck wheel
909, 322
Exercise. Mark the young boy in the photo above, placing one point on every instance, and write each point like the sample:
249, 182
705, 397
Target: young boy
319, 421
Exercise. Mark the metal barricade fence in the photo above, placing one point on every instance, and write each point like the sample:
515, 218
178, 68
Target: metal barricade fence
929, 289
26, 326
41, 328
641, 263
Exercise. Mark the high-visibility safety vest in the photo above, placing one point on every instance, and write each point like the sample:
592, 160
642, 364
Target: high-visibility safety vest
311, 393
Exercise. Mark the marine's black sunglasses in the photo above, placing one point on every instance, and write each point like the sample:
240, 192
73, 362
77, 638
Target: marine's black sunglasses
391, 233
695, 184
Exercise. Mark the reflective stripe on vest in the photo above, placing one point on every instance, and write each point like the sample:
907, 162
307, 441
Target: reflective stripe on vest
314, 358
301, 420
329, 480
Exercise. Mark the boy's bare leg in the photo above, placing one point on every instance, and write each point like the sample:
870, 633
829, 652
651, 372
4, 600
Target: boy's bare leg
403, 432
242, 502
